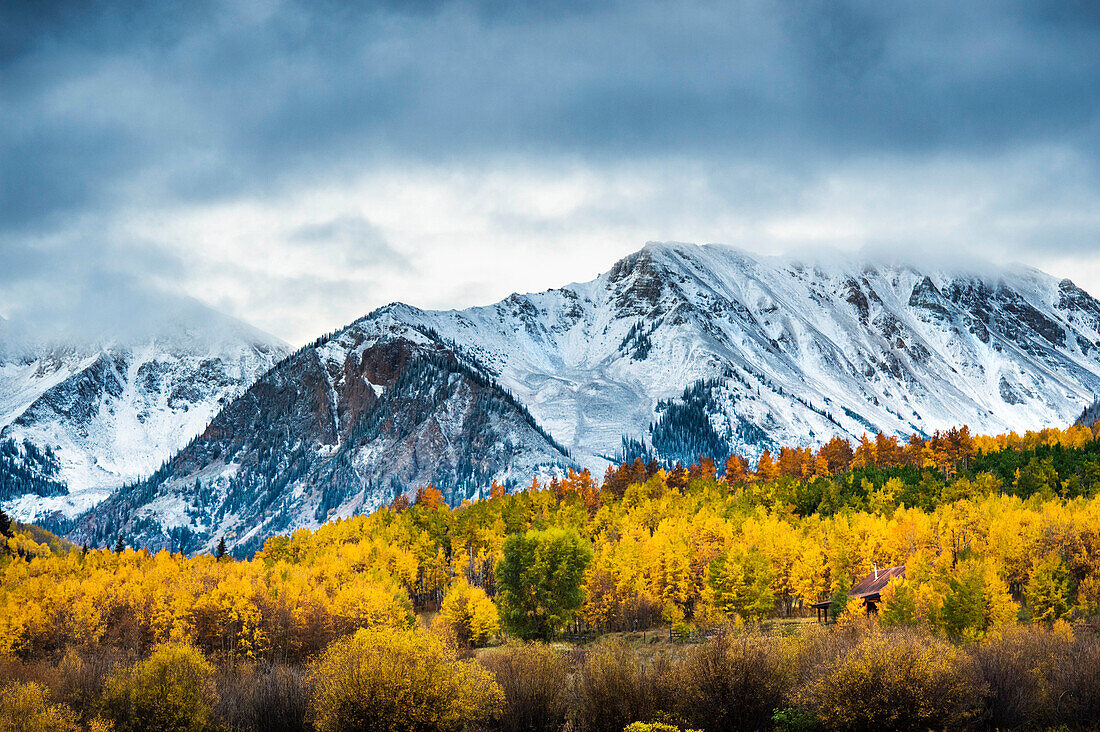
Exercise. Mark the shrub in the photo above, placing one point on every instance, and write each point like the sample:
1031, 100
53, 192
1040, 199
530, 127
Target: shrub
82, 676
262, 698
1081, 677
469, 614
392, 679
15, 670
655, 727
26, 708
612, 688
735, 681
896, 681
170, 691
534, 678
1017, 666
1040, 677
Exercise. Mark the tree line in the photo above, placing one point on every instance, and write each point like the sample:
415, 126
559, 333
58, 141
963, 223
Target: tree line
996, 533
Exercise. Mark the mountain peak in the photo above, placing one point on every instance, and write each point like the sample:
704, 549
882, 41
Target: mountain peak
677, 350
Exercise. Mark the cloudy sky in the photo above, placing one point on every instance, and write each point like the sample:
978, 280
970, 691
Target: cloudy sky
298, 164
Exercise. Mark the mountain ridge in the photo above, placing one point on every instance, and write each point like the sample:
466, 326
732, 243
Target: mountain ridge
673, 349
112, 408
339, 427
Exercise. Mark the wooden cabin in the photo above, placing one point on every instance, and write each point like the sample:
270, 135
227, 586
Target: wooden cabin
869, 589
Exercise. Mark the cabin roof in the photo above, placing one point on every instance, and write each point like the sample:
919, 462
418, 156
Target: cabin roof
870, 586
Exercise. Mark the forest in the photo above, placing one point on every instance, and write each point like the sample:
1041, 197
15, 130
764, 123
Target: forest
662, 598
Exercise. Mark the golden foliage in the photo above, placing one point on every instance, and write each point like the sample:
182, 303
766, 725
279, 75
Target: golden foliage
680, 545
897, 681
469, 614
399, 680
170, 690
26, 708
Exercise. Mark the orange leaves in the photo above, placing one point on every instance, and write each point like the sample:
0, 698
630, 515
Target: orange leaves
429, 497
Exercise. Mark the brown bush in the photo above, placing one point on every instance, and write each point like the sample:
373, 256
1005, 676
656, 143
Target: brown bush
901, 680
15, 670
82, 676
1081, 679
735, 681
1019, 667
262, 697
1041, 677
534, 678
613, 687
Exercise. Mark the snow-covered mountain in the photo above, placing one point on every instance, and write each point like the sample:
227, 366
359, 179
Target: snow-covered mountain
678, 349
776, 351
80, 419
340, 427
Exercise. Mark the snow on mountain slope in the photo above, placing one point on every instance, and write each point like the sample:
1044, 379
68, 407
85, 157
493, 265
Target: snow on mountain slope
799, 351
113, 411
678, 349
340, 427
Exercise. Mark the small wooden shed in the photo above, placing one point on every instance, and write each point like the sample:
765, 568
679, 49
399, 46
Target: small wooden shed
869, 589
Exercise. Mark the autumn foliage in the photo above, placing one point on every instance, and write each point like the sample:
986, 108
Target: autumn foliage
996, 534
398, 680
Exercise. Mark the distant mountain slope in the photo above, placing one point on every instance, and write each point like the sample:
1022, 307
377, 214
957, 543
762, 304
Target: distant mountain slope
678, 349
99, 414
341, 426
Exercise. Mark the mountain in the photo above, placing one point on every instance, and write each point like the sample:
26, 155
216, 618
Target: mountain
342, 426
680, 346
80, 417
678, 350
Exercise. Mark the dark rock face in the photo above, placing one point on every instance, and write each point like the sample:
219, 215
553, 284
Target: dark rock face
77, 399
1090, 415
927, 297
1020, 319
858, 300
640, 282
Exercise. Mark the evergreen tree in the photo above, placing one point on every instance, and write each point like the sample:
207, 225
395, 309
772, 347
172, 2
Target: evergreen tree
5, 524
220, 552
840, 598
119, 545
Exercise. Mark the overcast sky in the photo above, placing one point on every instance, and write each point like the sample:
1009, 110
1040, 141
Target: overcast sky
298, 164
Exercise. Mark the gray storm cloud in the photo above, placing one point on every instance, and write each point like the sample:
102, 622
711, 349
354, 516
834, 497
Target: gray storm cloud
850, 123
